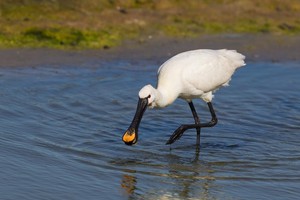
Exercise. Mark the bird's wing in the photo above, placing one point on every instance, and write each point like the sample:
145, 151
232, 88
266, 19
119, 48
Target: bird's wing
207, 70
203, 70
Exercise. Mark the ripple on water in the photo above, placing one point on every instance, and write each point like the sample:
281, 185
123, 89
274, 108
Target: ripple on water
62, 127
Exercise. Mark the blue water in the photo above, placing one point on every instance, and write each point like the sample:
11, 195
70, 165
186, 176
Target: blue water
61, 129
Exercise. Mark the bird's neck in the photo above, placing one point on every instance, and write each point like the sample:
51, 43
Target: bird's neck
164, 98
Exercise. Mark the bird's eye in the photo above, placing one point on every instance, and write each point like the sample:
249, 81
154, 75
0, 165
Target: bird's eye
149, 96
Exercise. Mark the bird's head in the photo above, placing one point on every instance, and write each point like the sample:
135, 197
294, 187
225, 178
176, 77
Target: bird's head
148, 92
146, 98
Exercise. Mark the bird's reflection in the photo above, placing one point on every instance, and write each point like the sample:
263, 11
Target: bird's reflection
128, 184
189, 177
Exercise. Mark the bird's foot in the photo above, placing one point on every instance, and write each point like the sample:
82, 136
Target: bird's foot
180, 130
177, 134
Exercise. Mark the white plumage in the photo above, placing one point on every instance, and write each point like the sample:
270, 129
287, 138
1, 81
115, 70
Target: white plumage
188, 75
193, 74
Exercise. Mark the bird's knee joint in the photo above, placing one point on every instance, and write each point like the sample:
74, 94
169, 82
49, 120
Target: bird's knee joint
213, 121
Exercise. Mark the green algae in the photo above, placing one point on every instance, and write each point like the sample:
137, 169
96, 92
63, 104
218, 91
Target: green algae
106, 23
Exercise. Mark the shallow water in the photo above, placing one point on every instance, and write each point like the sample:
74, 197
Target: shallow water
61, 129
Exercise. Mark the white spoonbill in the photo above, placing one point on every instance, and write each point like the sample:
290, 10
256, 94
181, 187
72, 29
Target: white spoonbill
188, 75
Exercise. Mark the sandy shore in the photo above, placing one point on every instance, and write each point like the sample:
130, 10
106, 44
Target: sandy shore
255, 47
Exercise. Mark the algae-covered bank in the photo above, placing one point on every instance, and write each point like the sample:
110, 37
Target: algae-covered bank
75, 24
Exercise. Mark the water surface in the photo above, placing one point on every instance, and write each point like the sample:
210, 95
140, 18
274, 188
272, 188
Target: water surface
61, 129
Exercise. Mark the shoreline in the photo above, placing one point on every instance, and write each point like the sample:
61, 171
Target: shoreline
260, 47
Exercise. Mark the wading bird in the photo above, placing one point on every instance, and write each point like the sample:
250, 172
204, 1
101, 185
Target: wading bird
188, 75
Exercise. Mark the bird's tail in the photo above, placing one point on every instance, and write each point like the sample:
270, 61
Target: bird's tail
236, 58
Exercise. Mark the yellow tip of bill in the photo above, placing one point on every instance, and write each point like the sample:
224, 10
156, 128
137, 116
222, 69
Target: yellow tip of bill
129, 138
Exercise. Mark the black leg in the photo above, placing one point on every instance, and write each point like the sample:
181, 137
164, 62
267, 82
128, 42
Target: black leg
180, 130
214, 119
197, 121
